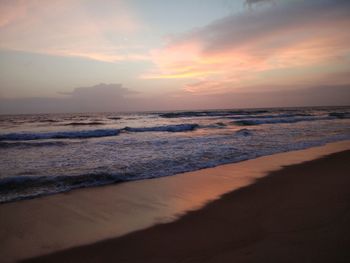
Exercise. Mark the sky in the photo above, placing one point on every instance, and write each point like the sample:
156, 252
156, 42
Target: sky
133, 55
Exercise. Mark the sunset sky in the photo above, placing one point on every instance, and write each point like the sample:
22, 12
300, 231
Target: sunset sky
114, 55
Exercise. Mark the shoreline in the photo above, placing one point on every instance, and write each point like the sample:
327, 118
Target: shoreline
297, 214
106, 184
85, 216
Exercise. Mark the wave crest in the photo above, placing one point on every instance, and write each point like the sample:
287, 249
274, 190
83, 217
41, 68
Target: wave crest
59, 135
94, 133
93, 123
209, 113
250, 122
244, 132
167, 128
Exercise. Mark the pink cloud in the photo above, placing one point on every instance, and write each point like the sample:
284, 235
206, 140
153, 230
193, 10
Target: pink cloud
232, 51
69, 28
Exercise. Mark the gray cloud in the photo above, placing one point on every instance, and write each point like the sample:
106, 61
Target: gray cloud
290, 21
115, 98
252, 2
101, 97
99, 90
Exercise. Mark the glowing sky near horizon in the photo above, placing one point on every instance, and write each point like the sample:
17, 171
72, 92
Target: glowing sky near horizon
190, 50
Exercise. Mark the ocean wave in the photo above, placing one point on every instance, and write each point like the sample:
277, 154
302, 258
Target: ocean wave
23, 187
273, 116
249, 122
93, 123
167, 128
5, 145
94, 133
47, 120
209, 113
340, 115
59, 135
216, 125
244, 132
29, 186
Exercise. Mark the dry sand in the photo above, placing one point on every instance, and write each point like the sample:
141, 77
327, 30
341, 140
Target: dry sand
45, 225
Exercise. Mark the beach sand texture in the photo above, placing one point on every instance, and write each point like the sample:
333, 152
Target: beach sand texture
296, 214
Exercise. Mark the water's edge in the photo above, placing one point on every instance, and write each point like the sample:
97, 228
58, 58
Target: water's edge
92, 214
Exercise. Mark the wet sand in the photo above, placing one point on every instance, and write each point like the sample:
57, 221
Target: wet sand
298, 214
32, 228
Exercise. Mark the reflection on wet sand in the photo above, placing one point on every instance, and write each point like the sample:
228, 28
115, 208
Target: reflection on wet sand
88, 215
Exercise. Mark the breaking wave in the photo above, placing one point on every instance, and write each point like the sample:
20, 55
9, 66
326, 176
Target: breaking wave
84, 123
44, 185
168, 128
59, 135
209, 113
244, 132
340, 115
6, 145
249, 122
94, 133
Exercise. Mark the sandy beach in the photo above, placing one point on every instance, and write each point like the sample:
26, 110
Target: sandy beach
297, 213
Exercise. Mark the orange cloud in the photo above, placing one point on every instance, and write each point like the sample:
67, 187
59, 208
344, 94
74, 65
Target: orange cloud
232, 51
176, 62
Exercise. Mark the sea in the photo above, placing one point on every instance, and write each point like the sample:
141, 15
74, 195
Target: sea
44, 154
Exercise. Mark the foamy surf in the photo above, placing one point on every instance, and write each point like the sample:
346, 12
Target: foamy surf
84, 134
55, 157
58, 135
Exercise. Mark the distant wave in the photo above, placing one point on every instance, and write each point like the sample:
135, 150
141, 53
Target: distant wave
244, 132
209, 113
59, 135
84, 123
248, 122
94, 133
217, 125
31, 144
82, 134
340, 115
272, 116
48, 120
167, 128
